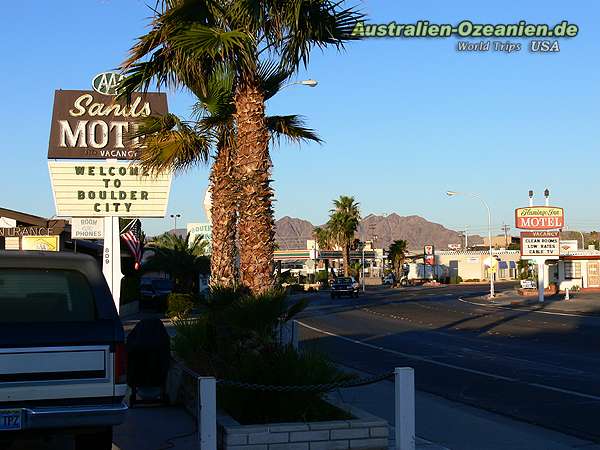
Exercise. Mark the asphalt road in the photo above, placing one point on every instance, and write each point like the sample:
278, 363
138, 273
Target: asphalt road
541, 368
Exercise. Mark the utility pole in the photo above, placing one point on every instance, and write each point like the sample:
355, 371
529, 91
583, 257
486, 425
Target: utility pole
466, 237
505, 228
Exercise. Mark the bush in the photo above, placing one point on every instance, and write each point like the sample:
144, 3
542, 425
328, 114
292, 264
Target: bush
237, 339
179, 305
295, 287
456, 280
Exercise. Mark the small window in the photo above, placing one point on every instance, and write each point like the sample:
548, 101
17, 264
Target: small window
572, 270
38, 295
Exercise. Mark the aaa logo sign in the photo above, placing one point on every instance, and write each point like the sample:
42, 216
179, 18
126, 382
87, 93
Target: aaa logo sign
539, 218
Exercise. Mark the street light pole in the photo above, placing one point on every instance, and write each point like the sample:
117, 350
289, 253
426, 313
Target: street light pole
580, 233
174, 217
362, 278
489, 214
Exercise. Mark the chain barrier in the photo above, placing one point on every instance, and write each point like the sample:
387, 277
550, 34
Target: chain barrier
306, 387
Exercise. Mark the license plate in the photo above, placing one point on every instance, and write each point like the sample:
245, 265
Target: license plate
10, 419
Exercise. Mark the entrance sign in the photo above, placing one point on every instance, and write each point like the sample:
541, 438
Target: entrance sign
539, 218
87, 228
90, 125
540, 243
105, 189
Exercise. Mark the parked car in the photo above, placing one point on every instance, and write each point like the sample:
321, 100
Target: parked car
345, 286
62, 353
389, 279
154, 293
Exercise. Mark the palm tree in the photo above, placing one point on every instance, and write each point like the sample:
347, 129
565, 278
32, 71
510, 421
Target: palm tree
181, 259
341, 226
188, 39
397, 254
168, 143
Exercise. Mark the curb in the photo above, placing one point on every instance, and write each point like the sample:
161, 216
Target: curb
530, 307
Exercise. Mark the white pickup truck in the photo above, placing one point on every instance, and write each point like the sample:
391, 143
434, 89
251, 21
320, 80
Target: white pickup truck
62, 354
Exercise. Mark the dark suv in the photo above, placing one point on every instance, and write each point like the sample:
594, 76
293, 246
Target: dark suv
345, 286
62, 358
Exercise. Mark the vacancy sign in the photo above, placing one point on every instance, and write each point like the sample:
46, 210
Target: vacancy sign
118, 189
539, 218
540, 243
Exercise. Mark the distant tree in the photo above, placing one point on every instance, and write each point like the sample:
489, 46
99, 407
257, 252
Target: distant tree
341, 226
181, 259
322, 237
397, 255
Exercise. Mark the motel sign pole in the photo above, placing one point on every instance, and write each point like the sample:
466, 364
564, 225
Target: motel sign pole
111, 257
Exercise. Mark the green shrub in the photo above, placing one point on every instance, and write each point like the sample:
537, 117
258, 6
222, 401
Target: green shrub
179, 305
237, 339
456, 280
295, 287
281, 366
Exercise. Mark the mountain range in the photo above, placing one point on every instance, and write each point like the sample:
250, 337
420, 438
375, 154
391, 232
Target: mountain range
292, 233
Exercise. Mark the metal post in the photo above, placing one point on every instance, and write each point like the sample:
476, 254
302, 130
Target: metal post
404, 378
207, 413
492, 292
541, 275
111, 258
295, 334
567, 294
362, 278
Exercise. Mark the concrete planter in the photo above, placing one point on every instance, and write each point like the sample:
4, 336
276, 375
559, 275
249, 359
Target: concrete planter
365, 431
551, 290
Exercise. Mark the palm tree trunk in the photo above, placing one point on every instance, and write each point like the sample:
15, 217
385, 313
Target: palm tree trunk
224, 218
346, 260
256, 225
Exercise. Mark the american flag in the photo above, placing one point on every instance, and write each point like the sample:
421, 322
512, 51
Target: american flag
132, 235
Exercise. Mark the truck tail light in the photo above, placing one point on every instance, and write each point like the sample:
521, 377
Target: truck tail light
120, 364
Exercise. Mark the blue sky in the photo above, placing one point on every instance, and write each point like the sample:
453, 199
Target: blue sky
403, 120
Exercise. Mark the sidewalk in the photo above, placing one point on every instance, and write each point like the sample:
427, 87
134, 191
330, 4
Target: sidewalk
584, 303
456, 426
156, 428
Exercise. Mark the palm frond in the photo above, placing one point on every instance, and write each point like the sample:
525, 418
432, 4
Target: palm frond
272, 77
292, 128
315, 24
168, 143
202, 41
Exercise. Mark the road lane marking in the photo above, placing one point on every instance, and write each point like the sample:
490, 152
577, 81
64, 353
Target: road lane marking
529, 310
407, 355
451, 366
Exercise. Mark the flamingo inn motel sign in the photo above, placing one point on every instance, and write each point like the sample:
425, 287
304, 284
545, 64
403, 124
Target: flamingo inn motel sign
539, 243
